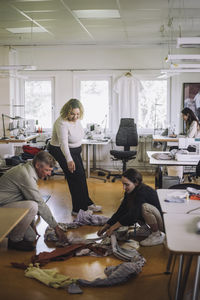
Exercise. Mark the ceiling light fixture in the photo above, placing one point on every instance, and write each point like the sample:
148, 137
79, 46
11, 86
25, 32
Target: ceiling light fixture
182, 57
185, 66
27, 29
188, 42
18, 67
178, 70
97, 14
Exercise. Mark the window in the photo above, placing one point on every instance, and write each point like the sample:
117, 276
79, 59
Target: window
152, 108
95, 97
38, 102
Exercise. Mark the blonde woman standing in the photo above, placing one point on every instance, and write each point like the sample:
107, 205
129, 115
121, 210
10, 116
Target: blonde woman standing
65, 147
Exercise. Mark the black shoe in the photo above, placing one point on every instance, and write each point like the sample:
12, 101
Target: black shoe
21, 246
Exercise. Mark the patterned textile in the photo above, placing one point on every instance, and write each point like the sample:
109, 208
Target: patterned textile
116, 274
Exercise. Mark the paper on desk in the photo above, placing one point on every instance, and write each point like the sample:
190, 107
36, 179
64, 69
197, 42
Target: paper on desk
176, 196
175, 199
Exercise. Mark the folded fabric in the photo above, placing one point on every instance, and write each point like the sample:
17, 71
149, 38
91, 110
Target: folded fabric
125, 254
115, 274
88, 218
162, 156
193, 191
49, 277
66, 252
175, 199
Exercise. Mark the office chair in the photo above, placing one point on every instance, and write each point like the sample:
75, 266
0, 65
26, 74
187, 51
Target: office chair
126, 136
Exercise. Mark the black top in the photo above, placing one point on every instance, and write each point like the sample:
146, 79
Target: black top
130, 210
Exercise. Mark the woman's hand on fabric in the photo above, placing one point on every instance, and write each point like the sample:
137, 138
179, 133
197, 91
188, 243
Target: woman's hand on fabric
61, 235
109, 232
71, 166
103, 229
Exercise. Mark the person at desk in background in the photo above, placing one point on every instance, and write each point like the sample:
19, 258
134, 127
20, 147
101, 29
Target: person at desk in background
65, 146
192, 131
18, 188
192, 123
197, 104
140, 204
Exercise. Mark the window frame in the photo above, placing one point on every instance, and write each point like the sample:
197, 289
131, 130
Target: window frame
77, 78
46, 78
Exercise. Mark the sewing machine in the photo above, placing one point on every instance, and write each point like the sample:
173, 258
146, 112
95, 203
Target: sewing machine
183, 143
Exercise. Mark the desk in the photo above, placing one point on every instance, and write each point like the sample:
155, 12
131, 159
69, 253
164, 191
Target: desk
94, 143
9, 218
177, 208
24, 140
9, 146
166, 140
161, 162
171, 162
160, 138
182, 239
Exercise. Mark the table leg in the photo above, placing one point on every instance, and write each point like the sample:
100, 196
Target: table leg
180, 268
185, 276
158, 177
94, 157
196, 283
171, 255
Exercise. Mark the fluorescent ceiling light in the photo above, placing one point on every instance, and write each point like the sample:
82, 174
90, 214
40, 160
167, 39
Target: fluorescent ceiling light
185, 66
182, 57
188, 42
18, 67
97, 14
26, 29
168, 71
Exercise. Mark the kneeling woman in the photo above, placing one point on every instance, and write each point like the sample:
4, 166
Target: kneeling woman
140, 204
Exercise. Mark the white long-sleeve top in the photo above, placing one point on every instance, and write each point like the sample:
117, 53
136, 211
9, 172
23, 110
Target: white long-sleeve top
194, 130
67, 135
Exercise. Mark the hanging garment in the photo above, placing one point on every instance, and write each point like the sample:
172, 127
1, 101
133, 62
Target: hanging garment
125, 104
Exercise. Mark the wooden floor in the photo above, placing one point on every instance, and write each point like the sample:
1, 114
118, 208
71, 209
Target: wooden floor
151, 283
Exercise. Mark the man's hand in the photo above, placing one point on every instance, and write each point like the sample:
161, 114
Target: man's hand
103, 229
71, 166
61, 235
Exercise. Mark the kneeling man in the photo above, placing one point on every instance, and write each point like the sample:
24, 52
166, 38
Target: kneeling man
18, 188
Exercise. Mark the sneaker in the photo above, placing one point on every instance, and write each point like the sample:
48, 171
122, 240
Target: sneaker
21, 245
74, 213
143, 230
95, 208
156, 238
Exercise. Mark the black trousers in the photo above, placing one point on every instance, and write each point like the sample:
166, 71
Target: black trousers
76, 180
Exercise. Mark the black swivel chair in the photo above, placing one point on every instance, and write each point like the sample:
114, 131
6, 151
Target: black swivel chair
126, 136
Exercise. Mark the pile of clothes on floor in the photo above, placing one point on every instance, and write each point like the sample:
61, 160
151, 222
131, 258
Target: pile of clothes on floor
77, 246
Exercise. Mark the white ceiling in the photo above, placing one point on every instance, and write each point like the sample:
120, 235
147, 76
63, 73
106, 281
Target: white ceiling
141, 22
